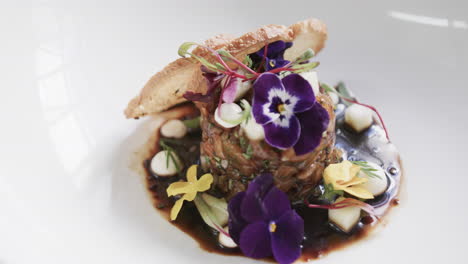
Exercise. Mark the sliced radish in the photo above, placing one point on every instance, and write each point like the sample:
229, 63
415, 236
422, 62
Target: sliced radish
236, 88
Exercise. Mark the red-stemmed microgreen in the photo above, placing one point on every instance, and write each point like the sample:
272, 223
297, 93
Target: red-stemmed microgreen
348, 99
347, 202
222, 67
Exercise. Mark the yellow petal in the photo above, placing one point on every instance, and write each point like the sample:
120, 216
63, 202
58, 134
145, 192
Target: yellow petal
192, 173
354, 170
338, 172
359, 192
176, 208
190, 195
205, 182
179, 188
355, 181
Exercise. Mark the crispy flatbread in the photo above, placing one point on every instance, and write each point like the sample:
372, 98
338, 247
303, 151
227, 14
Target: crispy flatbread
167, 87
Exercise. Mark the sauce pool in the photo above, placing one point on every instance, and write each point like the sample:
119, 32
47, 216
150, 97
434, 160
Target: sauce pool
321, 237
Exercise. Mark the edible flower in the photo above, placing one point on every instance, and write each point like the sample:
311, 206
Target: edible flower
272, 54
189, 189
344, 176
262, 222
288, 112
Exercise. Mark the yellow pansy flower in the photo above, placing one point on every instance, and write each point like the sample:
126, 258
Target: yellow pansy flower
189, 189
344, 176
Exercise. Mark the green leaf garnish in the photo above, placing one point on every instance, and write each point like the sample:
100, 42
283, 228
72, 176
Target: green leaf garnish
344, 92
183, 49
367, 169
248, 61
307, 55
248, 152
330, 193
298, 68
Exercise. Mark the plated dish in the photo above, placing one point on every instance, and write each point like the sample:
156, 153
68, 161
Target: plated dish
256, 157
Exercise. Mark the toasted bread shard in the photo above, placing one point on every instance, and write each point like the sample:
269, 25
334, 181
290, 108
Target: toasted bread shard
167, 87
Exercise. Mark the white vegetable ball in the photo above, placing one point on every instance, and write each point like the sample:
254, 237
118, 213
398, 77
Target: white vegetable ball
345, 218
228, 112
375, 185
163, 165
174, 129
253, 130
358, 117
225, 240
311, 77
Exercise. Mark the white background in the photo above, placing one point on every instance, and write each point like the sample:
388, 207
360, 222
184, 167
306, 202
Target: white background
68, 69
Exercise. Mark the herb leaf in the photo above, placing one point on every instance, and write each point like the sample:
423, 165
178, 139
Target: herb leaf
298, 68
248, 61
248, 152
330, 193
169, 154
367, 169
307, 55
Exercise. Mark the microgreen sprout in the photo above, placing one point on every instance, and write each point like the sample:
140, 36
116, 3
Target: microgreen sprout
169, 154
367, 169
348, 99
347, 202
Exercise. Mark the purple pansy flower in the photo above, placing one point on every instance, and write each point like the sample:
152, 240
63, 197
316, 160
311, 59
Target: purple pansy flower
274, 57
289, 113
262, 222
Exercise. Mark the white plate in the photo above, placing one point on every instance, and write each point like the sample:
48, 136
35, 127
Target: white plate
68, 69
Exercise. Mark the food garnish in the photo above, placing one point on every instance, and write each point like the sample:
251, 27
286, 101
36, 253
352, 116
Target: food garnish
189, 189
345, 176
270, 139
345, 97
262, 222
288, 112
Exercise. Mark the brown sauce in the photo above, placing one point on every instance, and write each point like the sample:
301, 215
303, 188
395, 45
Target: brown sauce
320, 236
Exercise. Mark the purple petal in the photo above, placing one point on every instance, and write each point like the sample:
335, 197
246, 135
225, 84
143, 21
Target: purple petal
255, 240
261, 185
229, 93
252, 204
276, 203
280, 136
271, 64
286, 240
299, 87
236, 222
262, 87
213, 79
313, 123
275, 49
